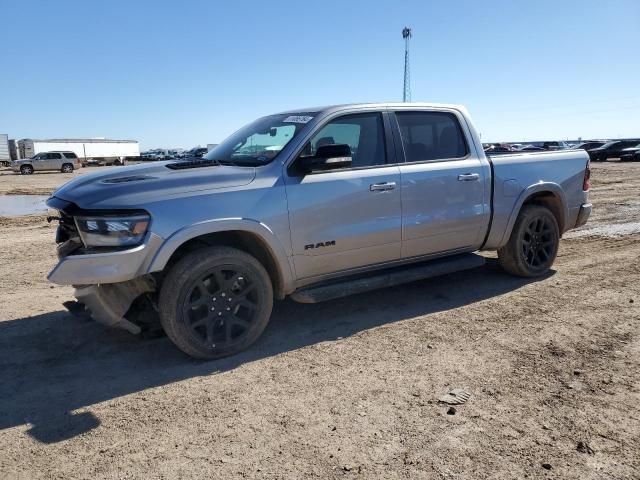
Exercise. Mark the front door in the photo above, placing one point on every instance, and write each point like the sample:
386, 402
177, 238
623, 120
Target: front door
445, 186
349, 218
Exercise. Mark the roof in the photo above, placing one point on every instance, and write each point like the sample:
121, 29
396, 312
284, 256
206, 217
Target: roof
382, 105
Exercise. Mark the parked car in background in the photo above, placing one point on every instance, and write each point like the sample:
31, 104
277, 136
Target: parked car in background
156, 155
555, 145
631, 154
531, 148
197, 152
65, 162
497, 148
589, 145
610, 150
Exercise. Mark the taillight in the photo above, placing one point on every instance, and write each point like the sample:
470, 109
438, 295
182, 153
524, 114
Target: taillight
586, 183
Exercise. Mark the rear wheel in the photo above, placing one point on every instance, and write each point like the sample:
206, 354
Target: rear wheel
533, 245
215, 302
67, 168
26, 169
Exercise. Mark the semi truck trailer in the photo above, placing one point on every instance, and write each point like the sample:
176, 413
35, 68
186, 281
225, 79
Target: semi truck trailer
5, 158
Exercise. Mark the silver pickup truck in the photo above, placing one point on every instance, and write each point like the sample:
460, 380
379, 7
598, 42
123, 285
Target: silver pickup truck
314, 204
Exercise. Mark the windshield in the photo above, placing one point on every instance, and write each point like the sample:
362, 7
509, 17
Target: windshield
259, 142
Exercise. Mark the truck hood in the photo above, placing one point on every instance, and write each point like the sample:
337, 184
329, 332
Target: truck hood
136, 185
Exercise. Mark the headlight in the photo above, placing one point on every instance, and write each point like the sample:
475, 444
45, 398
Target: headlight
123, 231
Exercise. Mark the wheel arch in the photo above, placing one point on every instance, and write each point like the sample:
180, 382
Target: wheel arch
549, 195
249, 236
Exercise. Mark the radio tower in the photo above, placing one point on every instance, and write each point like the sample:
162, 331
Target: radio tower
406, 92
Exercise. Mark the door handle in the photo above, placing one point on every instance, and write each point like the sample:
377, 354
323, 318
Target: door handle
382, 187
468, 177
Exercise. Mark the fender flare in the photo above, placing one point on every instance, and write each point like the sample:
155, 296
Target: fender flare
542, 187
262, 231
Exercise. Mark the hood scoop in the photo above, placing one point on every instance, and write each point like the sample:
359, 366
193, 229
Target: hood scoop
192, 164
131, 178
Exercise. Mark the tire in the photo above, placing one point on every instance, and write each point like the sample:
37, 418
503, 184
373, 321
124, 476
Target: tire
26, 169
215, 302
533, 244
66, 168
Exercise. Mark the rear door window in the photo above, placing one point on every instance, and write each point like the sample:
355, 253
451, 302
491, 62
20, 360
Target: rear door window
431, 136
54, 156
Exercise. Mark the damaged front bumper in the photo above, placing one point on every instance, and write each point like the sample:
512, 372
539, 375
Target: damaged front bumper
108, 267
109, 302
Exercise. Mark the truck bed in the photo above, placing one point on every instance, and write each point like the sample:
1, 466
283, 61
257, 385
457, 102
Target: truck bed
519, 175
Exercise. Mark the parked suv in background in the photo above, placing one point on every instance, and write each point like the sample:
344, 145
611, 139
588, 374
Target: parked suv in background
588, 145
610, 150
65, 162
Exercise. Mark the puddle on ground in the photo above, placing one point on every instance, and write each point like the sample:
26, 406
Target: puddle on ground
16, 205
611, 230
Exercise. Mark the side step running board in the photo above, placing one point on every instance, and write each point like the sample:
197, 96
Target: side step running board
388, 278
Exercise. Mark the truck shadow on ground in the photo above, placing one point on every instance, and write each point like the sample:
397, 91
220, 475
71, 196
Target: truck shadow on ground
54, 364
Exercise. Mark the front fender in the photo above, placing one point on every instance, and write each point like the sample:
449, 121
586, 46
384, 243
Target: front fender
185, 234
542, 187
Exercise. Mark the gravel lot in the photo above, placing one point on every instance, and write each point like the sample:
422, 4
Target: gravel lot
346, 389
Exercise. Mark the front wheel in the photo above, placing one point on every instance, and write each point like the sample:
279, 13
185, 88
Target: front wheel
26, 169
215, 302
533, 245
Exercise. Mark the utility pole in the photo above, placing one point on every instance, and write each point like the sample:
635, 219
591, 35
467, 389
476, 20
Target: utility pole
406, 92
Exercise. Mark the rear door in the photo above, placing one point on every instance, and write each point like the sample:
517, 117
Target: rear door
53, 161
344, 219
445, 186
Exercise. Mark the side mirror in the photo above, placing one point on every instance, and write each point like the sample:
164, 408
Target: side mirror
327, 157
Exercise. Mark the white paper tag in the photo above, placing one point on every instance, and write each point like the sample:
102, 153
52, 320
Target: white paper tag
297, 119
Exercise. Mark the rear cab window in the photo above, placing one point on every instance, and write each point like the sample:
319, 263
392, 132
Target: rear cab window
431, 136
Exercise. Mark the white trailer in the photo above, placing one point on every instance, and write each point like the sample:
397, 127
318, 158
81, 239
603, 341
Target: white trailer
5, 158
88, 150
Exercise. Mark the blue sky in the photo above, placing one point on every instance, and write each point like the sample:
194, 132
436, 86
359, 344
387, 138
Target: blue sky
191, 72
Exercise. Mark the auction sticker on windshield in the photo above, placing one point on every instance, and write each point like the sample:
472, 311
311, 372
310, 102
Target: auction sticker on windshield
297, 119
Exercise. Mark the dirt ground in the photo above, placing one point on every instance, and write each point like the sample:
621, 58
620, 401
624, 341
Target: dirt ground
346, 389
